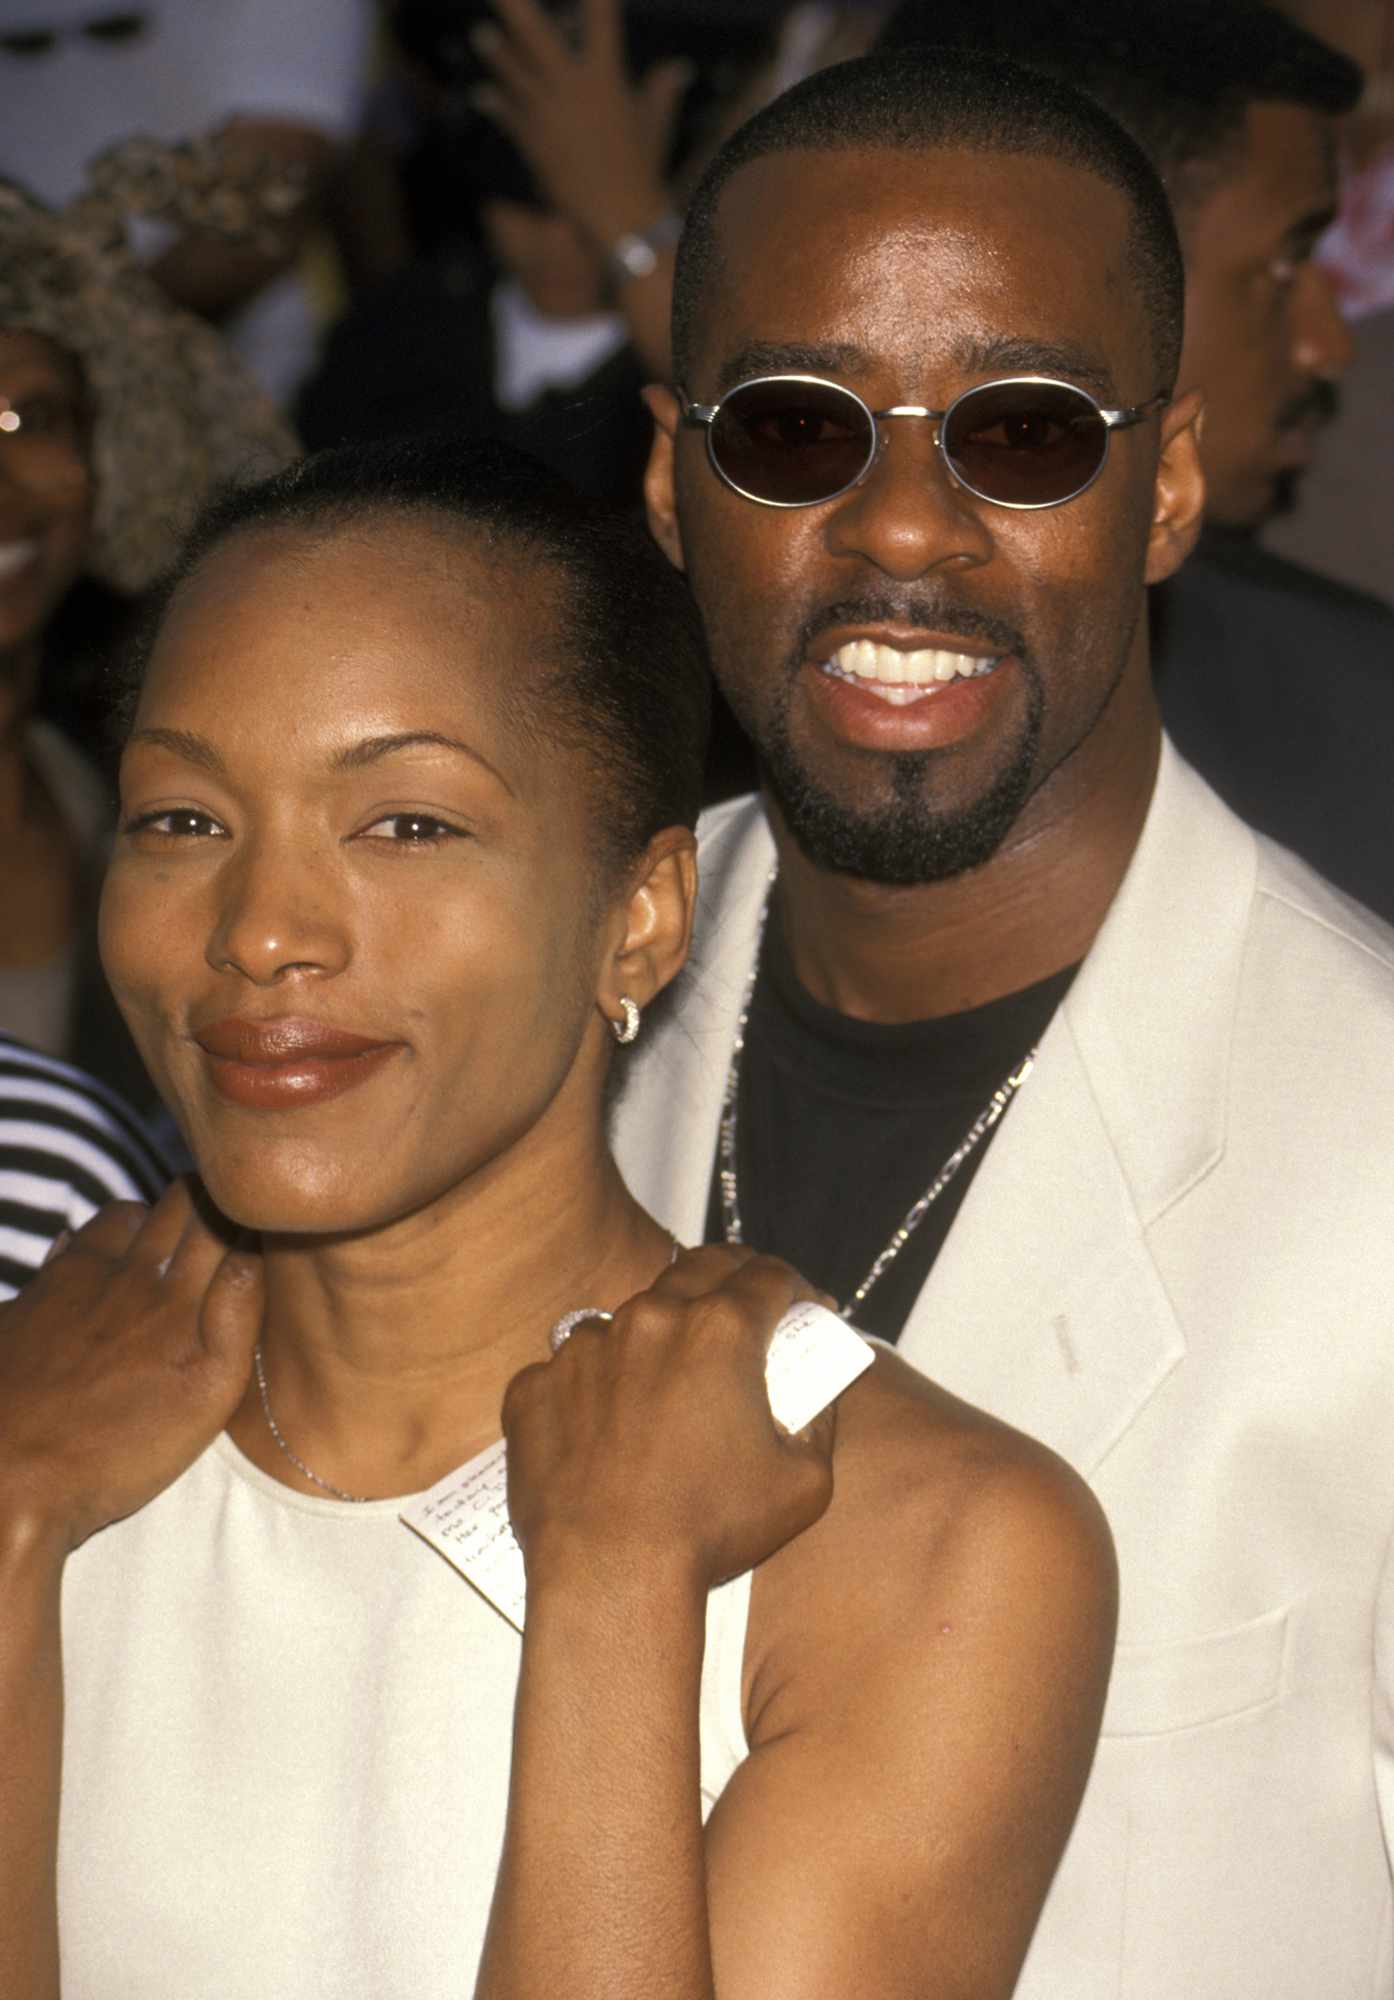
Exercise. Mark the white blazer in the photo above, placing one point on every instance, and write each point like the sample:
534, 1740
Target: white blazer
1176, 1266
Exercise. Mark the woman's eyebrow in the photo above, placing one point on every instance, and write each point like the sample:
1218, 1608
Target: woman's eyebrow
183, 743
370, 748
198, 750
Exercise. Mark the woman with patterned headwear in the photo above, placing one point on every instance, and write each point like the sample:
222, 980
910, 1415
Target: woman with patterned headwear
118, 414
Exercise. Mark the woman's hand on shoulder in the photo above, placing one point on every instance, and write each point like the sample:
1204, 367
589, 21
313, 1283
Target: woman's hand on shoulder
119, 1362
647, 1443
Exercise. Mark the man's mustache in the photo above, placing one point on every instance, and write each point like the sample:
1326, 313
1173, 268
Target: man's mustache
935, 611
1318, 403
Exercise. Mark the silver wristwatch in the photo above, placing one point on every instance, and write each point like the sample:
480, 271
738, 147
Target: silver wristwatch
636, 253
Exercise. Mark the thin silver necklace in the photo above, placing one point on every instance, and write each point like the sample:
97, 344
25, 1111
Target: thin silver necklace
560, 1333
358, 1499
915, 1215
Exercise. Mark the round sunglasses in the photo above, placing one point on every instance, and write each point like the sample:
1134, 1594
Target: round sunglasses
795, 440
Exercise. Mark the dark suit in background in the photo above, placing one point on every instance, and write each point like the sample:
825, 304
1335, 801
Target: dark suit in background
1278, 686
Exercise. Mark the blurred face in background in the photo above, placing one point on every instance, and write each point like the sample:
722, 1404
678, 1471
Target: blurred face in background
1264, 337
46, 486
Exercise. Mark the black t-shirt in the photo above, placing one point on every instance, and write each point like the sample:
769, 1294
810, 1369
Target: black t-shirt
843, 1124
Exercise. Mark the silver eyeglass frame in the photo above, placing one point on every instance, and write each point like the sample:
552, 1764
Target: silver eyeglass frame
704, 415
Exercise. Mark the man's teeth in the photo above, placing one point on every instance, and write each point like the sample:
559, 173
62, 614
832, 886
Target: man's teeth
15, 556
904, 677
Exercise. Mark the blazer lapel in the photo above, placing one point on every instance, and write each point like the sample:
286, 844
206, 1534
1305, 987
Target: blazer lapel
1045, 1305
665, 1129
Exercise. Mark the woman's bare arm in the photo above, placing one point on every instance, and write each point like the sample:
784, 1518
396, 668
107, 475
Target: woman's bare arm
31, 1732
643, 1466
603, 1883
922, 1718
118, 1364
926, 1674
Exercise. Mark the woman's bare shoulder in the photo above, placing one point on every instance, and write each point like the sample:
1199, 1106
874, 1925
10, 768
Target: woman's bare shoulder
924, 1681
942, 1518
924, 1461
925, 1676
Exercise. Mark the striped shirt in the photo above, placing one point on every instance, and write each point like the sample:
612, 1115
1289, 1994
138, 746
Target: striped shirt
67, 1145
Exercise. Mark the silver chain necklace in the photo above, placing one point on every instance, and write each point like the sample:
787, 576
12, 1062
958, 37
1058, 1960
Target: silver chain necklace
915, 1215
559, 1335
358, 1499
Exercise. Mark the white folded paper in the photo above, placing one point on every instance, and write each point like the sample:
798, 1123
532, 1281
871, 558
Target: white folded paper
813, 1356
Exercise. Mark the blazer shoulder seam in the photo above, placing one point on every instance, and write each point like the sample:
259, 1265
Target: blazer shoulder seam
1351, 934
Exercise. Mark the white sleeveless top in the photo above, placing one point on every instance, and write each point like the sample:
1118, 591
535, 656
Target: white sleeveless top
286, 1749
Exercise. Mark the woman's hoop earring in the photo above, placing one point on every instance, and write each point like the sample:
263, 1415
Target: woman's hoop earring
627, 1031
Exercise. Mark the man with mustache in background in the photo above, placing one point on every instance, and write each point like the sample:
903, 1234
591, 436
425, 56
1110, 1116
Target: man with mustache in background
1275, 682
999, 1024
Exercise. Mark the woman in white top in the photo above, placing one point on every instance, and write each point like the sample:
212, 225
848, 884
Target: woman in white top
405, 835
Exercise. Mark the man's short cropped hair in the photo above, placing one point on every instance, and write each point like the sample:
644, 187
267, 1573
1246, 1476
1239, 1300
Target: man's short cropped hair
916, 99
1179, 74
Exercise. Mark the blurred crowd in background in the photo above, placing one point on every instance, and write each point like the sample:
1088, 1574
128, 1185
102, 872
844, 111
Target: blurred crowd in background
229, 227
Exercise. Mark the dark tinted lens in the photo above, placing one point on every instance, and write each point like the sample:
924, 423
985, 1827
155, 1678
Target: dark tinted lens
791, 442
1028, 443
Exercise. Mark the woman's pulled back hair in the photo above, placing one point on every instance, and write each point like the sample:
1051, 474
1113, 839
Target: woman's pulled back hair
623, 679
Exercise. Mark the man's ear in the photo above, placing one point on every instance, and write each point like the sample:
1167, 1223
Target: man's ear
660, 496
1179, 499
654, 923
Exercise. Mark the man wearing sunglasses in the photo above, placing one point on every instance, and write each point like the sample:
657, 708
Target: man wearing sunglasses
999, 1024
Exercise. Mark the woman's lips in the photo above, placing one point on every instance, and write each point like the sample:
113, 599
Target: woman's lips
282, 1064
